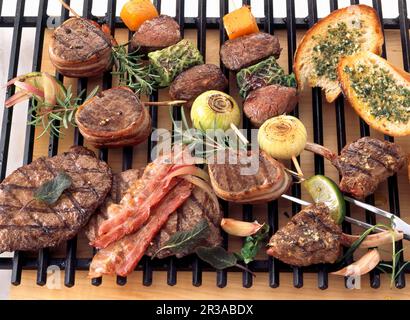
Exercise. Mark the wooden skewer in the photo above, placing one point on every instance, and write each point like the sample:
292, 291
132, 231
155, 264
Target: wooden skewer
297, 166
165, 103
239, 134
65, 5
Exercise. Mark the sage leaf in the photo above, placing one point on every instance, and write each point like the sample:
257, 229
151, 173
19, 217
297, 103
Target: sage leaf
253, 244
51, 190
186, 240
217, 257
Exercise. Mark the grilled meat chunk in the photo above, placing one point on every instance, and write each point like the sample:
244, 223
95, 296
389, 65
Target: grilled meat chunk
310, 237
364, 163
267, 102
156, 34
196, 80
26, 225
250, 49
248, 177
196, 207
79, 48
104, 124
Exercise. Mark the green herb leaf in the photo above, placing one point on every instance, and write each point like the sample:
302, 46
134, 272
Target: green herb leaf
253, 244
217, 257
51, 190
186, 240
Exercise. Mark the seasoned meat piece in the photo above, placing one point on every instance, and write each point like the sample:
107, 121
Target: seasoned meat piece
250, 49
196, 80
79, 48
363, 164
311, 237
267, 102
230, 182
26, 225
155, 34
196, 207
104, 124
121, 182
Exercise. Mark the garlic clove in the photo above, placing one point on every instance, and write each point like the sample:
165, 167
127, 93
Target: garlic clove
240, 228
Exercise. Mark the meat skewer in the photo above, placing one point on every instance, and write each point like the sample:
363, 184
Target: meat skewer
363, 164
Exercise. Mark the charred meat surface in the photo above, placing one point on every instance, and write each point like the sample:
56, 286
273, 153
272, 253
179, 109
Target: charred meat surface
114, 118
248, 177
35, 225
79, 48
196, 207
156, 34
267, 102
196, 80
364, 164
250, 49
310, 237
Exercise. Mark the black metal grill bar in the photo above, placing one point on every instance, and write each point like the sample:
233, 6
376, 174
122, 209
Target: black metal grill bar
273, 207
222, 275
296, 190
317, 134
70, 263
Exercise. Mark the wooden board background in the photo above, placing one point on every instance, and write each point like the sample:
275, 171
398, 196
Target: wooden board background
260, 290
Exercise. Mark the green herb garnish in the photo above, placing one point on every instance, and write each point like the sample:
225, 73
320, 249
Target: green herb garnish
253, 244
186, 240
52, 190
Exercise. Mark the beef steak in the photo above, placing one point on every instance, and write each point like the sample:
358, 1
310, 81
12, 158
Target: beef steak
250, 49
310, 237
26, 225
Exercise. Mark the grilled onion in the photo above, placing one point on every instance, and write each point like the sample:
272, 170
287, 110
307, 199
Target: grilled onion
215, 110
283, 137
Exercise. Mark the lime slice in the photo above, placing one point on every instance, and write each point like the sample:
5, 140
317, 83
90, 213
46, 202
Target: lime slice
322, 189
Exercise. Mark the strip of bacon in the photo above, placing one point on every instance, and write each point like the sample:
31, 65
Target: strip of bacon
122, 256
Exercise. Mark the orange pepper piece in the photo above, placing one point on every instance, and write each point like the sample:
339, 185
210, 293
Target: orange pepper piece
240, 22
135, 12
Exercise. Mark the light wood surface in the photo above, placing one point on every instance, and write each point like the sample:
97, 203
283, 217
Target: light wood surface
260, 290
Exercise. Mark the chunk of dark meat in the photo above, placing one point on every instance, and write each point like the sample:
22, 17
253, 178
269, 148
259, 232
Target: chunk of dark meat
196, 80
310, 237
364, 164
79, 48
196, 207
26, 225
104, 124
155, 34
267, 102
248, 177
250, 49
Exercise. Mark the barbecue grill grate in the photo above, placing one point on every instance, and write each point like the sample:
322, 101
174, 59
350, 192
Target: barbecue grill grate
269, 23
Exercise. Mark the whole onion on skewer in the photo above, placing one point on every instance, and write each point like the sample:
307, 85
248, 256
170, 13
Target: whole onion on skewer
283, 137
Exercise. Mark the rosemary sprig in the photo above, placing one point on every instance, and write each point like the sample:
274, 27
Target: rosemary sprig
132, 71
54, 118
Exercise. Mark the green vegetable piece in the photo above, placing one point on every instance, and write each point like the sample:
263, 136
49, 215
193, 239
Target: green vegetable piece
217, 257
262, 74
253, 244
186, 240
51, 190
171, 61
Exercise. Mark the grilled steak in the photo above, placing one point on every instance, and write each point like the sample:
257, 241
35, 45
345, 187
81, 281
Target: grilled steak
364, 163
268, 179
311, 237
104, 124
196, 207
79, 48
250, 49
155, 34
267, 102
26, 225
196, 80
